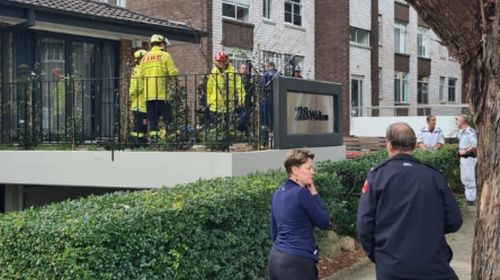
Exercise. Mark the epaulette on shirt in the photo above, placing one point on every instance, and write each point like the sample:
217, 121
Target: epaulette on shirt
378, 166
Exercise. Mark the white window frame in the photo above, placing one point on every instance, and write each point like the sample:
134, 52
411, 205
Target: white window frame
442, 82
401, 97
401, 45
355, 32
454, 88
267, 7
423, 42
293, 4
423, 84
242, 4
380, 30
121, 3
357, 111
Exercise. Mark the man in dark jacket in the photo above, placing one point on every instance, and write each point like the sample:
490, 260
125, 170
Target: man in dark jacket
406, 208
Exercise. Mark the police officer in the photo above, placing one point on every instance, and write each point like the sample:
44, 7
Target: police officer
157, 69
137, 101
467, 151
405, 210
430, 137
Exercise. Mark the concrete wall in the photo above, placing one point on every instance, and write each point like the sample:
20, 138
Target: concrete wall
137, 169
376, 127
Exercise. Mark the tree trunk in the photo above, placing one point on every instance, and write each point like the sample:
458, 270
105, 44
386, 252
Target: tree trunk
470, 29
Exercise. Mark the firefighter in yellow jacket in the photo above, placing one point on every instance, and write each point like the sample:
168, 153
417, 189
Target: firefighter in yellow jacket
157, 69
138, 102
225, 91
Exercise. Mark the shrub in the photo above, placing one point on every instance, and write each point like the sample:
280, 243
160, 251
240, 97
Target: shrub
209, 229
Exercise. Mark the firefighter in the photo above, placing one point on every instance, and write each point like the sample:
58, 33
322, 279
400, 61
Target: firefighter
225, 91
405, 211
157, 69
137, 102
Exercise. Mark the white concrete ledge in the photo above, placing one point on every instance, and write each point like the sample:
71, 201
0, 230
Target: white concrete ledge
138, 169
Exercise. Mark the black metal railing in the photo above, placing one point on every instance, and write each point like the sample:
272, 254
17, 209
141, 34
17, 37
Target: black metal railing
214, 110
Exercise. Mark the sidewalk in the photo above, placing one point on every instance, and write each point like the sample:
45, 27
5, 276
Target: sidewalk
460, 242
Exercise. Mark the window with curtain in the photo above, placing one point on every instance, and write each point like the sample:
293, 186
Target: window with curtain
293, 12
401, 87
400, 38
236, 9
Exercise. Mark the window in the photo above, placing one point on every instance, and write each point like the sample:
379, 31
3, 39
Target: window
237, 59
293, 60
360, 36
121, 3
237, 9
266, 9
423, 42
356, 96
380, 30
400, 38
401, 87
293, 12
441, 89
423, 90
380, 79
452, 84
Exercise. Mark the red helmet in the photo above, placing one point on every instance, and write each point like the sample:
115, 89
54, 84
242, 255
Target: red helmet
221, 57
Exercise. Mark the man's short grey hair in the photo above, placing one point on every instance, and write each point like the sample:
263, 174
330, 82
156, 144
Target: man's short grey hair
401, 136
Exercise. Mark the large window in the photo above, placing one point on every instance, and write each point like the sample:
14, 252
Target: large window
452, 85
293, 12
423, 42
399, 37
360, 36
266, 9
441, 89
77, 90
423, 90
237, 9
401, 87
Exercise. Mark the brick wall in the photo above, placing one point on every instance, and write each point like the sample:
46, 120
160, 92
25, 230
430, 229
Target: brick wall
332, 48
189, 58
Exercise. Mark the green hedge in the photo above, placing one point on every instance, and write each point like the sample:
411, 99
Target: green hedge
210, 229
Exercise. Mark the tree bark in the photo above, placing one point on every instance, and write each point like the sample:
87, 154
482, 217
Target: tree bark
470, 29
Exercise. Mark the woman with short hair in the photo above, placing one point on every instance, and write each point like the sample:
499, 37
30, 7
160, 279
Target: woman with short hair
295, 209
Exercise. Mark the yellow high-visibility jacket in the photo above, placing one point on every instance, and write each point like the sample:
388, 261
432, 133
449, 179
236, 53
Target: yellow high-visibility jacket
136, 91
218, 89
157, 67
58, 97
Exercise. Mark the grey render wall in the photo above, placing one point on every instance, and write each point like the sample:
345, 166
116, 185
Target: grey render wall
137, 170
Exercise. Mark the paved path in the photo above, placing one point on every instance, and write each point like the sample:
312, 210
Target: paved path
460, 242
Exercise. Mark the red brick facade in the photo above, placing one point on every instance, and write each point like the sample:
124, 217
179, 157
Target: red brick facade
189, 58
332, 48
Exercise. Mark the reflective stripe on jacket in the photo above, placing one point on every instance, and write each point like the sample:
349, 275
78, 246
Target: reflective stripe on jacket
136, 91
157, 67
217, 93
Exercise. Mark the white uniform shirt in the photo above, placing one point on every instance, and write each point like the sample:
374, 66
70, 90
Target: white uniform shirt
430, 139
466, 138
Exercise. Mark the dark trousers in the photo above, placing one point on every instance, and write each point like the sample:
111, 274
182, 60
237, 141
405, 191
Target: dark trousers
157, 109
290, 267
140, 123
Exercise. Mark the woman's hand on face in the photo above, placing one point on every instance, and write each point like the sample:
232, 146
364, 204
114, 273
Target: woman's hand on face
312, 189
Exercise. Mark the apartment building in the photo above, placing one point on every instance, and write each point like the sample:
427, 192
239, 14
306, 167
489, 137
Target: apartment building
273, 30
409, 67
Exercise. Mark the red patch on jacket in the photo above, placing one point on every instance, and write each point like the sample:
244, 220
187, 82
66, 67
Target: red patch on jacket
365, 187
